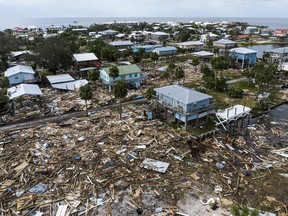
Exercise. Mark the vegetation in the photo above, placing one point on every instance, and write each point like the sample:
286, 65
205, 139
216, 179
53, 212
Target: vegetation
86, 94
243, 211
120, 91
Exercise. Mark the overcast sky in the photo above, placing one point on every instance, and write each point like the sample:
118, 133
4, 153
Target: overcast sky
15, 9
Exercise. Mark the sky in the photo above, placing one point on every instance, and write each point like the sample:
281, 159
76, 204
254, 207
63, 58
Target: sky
24, 9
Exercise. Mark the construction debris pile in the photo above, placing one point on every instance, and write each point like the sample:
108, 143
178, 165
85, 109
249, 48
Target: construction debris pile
101, 165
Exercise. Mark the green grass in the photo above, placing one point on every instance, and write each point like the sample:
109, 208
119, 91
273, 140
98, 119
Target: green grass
210, 126
246, 85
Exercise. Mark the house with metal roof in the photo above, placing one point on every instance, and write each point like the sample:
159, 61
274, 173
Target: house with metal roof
184, 104
209, 36
246, 57
131, 74
86, 61
147, 48
224, 44
121, 45
278, 55
169, 50
23, 89
65, 82
159, 36
20, 74
109, 33
204, 55
191, 45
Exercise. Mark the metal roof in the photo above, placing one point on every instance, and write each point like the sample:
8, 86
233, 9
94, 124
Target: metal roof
187, 43
243, 50
85, 57
167, 48
70, 85
159, 33
23, 89
225, 41
203, 53
121, 43
60, 78
125, 69
182, 94
19, 69
279, 50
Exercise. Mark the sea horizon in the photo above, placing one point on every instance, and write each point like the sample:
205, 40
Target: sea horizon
273, 23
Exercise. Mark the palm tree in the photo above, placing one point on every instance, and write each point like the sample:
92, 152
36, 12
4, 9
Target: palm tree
120, 91
93, 75
86, 94
113, 72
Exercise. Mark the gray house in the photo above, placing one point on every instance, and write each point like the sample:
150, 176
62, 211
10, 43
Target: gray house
184, 104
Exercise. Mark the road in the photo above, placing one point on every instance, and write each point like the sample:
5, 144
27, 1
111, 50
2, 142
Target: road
33, 123
243, 79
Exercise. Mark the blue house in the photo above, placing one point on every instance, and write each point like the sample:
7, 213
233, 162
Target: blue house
184, 104
20, 74
246, 57
131, 74
147, 48
169, 50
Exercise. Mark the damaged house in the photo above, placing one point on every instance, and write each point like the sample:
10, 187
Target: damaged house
184, 104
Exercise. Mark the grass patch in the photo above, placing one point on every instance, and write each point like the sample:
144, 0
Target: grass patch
209, 126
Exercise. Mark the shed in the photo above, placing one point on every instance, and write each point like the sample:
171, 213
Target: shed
19, 74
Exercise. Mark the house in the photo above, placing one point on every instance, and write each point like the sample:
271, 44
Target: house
131, 74
203, 55
23, 89
169, 50
246, 57
147, 48
86, 61
20, 74
65, 82
121, 45
109, 33
278, 55
184, 104
281, 32
242, 37
252, 30
191, 45
159, 36
209, 36
224, 44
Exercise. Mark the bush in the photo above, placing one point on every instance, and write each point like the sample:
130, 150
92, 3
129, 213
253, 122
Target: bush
235, 92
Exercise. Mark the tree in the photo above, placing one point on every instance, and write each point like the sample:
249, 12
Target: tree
3, 102
220, 63
8, 43
150, 92
250, 74
93, 75
53, 54
195, 61
113, 72
109, 53
264, 73
220, 84
126, 53
137, 58
179, 73
4, 82
86, 94
120, 91
154, 56
235, 92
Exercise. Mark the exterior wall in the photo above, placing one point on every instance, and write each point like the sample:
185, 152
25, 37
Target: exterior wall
198, 105
159, 37
147, 49
250, 58
133, 78
224, 46
192, 47
168, 52
83, 64
20, 78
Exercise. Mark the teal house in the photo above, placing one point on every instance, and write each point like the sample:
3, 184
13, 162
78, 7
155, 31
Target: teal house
131, 74
184, 104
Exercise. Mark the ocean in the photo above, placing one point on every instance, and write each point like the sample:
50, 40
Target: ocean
273, 23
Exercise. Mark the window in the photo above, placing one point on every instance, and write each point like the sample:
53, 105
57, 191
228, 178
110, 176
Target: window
16, 77
130, 75
135, 75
